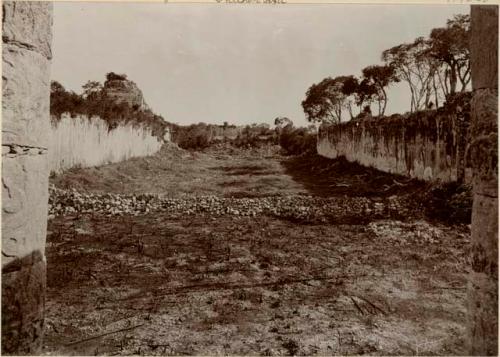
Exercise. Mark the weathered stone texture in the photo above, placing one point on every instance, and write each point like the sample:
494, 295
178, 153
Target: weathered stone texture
425, 145
25, 122
86, 142
483, 279
25, 74
485, 52
28, 24
125, 91
23, 286
483, 150
24, 204
483, 155
26, 80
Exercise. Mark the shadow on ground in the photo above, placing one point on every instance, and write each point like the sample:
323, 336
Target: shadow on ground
337, 177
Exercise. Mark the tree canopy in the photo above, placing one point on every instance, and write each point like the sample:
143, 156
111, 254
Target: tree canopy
434, 68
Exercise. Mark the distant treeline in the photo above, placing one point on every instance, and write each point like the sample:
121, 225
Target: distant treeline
95, 102
294, 141
202, 135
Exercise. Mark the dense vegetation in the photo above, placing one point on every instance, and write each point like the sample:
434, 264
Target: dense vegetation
95, 102
295, 141
201, 135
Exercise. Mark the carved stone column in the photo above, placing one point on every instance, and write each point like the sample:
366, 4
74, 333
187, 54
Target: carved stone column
483, 281
26, 54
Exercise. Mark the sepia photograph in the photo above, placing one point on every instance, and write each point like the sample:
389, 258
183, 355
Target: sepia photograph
249, 178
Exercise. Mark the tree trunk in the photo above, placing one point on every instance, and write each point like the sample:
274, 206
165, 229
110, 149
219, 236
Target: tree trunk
27, 35
436, 99
446, 90
412, 92
385, 101
453, 77
483, 279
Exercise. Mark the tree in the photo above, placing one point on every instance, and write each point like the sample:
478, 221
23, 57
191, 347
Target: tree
348, 87
91, 89
318, 105
112, 76
55, 87
380, 77
281, 122
412, 65
326, 100
63, 101
365, 94
450, 46
312, 129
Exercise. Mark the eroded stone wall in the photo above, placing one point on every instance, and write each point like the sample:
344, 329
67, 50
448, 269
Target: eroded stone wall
26, 55
483, 278
428, 145
84, 142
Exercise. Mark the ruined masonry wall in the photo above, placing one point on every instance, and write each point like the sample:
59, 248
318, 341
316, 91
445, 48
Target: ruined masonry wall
427, 145
86, 142
26, 55
483, 276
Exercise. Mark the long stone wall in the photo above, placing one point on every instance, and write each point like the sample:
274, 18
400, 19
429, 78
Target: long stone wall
427, 145
84, 142
26, 55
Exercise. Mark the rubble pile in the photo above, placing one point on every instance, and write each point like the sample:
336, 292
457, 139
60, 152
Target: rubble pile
401, 233
293, 207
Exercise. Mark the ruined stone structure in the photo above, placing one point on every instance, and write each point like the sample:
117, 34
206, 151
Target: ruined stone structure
125, 91
26, 55
483, 281
425, 145
85, 142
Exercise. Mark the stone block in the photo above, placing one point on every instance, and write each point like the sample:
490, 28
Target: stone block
484, 61
23, 299
24, 205
28, 24
26, 99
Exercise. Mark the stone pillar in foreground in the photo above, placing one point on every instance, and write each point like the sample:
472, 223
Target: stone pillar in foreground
483, 280
26, 54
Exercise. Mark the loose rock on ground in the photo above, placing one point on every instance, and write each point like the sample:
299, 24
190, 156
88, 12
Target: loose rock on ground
296, 207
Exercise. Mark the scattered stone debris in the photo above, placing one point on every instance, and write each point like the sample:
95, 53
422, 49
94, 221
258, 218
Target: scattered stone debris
293, 207
401, 233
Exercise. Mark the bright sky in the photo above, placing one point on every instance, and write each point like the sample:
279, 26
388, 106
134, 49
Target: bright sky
227, 62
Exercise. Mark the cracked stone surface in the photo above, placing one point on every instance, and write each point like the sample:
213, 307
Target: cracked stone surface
26, 55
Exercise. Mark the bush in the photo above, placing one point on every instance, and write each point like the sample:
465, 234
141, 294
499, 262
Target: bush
255, 136
200, 136
192, 137
111, 76
449, 202
297, 141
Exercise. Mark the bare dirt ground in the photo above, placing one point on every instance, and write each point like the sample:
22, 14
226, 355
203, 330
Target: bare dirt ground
164, 284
